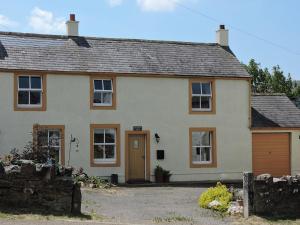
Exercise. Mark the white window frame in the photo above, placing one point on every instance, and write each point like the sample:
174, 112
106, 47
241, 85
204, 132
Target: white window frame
202, 95
103, 91
29, 90
204, 146
53, 146
105, 160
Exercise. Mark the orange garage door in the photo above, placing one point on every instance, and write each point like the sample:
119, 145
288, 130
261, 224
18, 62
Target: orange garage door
271, 153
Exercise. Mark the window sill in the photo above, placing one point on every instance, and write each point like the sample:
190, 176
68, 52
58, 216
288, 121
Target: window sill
203, 165
29, 108
105, 164
103, 107
202, 112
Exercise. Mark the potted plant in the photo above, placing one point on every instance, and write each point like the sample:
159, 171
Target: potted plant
166, 176
159, 174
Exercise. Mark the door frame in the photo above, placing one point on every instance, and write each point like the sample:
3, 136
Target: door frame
276, 132
146, 133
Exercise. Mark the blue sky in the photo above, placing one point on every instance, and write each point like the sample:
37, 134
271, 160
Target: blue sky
276, 21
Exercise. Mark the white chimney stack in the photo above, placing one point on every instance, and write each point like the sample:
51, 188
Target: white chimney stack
222, 36
72, 26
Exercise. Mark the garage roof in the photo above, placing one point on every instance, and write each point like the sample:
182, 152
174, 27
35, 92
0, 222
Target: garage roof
274, 110
21, 51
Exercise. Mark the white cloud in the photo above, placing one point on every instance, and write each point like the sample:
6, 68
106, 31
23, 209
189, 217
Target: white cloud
114, 3
158, 5
43, 21
7, 23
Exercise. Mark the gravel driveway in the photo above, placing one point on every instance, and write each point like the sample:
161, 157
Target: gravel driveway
150, 205
142, 205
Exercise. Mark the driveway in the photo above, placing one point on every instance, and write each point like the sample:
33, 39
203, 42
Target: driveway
150, 205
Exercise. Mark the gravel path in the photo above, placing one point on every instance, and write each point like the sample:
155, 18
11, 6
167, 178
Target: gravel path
140, 206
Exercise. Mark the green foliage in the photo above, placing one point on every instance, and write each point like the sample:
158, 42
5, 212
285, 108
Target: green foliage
218, 193
275, 81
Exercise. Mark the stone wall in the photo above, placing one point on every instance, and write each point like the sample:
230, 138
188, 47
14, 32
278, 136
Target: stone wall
39, 187
278, 197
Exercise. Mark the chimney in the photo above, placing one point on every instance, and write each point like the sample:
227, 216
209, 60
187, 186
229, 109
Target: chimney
72, 26
222, 36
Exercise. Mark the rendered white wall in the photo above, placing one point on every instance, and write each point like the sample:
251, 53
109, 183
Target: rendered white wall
158, 104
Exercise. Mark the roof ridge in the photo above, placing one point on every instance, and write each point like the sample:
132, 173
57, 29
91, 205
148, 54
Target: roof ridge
268, 94
57, 36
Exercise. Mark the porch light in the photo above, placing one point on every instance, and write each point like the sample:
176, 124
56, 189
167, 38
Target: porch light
157, 137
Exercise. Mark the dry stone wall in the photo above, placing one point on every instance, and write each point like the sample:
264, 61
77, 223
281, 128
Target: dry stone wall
38, 187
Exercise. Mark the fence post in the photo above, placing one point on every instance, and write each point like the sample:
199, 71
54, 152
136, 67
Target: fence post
248, 180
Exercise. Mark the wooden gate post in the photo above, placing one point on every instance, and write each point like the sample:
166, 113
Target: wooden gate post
248, 180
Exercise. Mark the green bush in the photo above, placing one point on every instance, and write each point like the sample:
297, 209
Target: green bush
218, 193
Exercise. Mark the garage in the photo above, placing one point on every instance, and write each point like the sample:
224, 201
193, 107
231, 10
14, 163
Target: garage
271, 153
275, 127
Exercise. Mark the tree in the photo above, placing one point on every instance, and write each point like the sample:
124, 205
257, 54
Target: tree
275, 82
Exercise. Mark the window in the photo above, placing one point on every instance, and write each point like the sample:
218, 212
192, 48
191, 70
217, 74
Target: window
102, 93
30, 92
51, 139
105, 145
201, 96
202, 147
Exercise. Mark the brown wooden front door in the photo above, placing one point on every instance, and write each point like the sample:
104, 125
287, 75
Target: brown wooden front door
271, 153
137, 155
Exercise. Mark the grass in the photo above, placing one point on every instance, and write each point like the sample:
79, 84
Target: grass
23, 215
172, 218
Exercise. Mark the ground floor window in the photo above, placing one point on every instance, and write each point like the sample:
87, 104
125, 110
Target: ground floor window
105, 145
202, 147
51, 139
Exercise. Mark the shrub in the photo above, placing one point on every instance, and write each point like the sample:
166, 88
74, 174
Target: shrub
219, 193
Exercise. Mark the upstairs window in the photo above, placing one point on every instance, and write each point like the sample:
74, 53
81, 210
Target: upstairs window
201, 97
30, 92
103, 93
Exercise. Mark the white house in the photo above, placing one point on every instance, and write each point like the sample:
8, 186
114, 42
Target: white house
130, 105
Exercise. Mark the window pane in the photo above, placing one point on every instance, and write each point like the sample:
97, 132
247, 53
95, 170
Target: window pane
205, 138
206, 88
54, 153
107, 98
98, 151
195, 156
109, 136
98, 84
205, 102
196, 87
36, 82
42, 137
54, 137
97, 97
35, 97
196, 102
205, 154
23, 82
196, 139
109, 151
23, 97
107, 85
99, 136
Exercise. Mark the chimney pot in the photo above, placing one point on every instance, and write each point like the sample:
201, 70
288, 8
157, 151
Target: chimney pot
72, 17
222, 36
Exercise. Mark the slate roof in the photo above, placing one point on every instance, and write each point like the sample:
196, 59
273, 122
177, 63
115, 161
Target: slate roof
20, 51
275, 110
